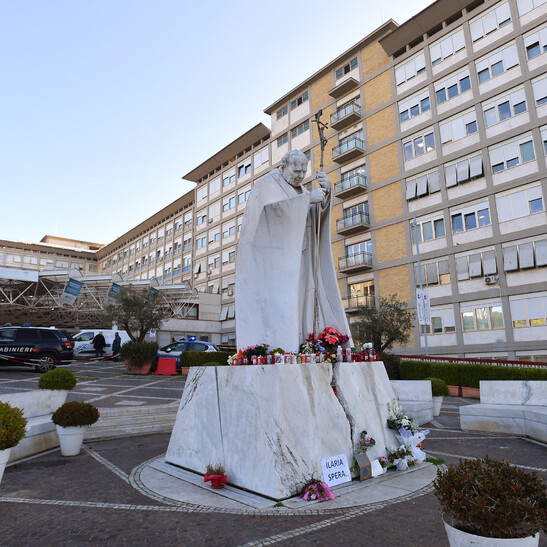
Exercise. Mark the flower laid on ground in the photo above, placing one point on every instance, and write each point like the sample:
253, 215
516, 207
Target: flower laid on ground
397, 419
364, 443
314, 489
401, 457
260, 350
384, 462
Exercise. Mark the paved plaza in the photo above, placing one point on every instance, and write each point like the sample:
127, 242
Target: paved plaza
102, 497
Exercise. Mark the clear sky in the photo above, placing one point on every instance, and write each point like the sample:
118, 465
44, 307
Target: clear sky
106, 104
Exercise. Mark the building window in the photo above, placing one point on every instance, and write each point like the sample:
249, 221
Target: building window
463, 170
504, 107
442, 322
512, 153
261, 157
348, 67
201, 242
244, 168
528, 5
446, 47
299, 100
414, 106
419, 145
423, 185
214, 186
476, 216
482, 317
433, 273
426, 230
299, 129
229, 203
201, 219
529, 311
497, 63
410, 68
520, 203
283, 139
359, 248
490, 21
282, 112
458, 128
201, 193
535, 43
243, 196
229, 177
539, 85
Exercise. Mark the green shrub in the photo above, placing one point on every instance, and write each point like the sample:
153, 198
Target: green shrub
58, 378
438, 387
200, 358
415, 370
12, 425
138, 353
75, 413
449, 372
392, 363
491, 498
211, 364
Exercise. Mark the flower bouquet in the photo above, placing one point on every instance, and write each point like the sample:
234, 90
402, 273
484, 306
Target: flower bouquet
364, 443
397, 419
314, 489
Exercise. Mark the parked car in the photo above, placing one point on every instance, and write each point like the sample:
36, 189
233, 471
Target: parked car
176, 348
39, 347
83, 342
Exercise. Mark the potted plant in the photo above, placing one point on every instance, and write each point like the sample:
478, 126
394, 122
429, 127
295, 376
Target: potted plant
216, 475
12, 430
59, 381
71, 420
138, 356
439, 390
492, 500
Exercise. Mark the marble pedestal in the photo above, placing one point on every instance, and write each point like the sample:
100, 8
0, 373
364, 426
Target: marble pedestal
270, 426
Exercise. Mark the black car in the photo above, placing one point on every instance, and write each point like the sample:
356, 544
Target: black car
38, 347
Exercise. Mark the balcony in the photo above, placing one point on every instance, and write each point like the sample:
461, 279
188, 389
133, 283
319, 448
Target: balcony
343, 88
346, 116
352, 224
350, 149
355, 263
353, 303
354, 185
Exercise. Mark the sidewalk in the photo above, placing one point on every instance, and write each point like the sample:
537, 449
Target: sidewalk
103, 496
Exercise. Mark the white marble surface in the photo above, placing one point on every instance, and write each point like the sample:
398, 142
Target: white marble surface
416, 398
514, 392
270, 426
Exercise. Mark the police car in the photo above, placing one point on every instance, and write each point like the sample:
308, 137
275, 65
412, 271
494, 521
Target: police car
176, 348
39, 347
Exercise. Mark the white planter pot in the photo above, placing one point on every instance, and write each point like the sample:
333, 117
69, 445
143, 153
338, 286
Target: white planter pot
70, 439
376, 468
457, 538
4, 457
437, 403
57, 398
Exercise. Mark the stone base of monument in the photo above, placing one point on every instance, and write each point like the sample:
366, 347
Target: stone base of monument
270, 426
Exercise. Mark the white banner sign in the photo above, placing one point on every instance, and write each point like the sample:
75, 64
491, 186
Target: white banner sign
423, 307
335, 470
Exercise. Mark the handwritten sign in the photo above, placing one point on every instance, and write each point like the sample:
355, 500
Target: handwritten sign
335, 470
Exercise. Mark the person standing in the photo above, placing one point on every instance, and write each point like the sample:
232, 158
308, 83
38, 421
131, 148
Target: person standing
99, 343
116, 345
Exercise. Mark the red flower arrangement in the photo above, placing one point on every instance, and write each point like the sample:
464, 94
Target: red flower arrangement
328, 340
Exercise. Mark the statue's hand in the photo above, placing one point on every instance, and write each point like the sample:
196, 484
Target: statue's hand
317, 195
323, 180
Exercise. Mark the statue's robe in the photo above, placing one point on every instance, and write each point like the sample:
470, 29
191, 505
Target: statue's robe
275, 265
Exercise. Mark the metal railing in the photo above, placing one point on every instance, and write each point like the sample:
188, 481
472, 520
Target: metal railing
354, 302
470, 360
351, 108
354, 261
350, 144
356, 219
351, 182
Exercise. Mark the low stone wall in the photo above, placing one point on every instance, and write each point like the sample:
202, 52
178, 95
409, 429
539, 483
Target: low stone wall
512, 407
416, 398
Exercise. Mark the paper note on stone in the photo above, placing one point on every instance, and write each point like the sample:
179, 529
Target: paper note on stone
335, 470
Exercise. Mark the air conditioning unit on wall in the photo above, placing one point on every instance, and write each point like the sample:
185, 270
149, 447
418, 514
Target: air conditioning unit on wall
490, 279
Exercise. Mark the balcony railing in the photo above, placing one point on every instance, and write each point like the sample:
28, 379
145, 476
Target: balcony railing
352, 186
348, 150
353, 223
359, 261
353, 303
345, 116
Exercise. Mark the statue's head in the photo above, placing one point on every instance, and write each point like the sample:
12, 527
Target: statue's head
293, 167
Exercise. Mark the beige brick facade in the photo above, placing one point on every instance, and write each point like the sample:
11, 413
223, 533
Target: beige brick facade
373, 58
395, 281
319, 92
384, 163
377, 91
381, 126
390, 242
387, 202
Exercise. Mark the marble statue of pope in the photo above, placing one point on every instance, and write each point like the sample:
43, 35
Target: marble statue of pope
277, 256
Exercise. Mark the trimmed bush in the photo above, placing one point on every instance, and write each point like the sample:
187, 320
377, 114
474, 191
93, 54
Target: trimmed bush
138, 353
12, 426
211, 364
438, 387
201, 358
58, 378
75, 413
392, 363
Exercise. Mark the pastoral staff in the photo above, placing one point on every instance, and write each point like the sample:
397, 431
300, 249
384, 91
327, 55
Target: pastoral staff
278, 254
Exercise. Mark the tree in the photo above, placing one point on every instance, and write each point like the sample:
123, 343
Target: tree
384, 326
137, 311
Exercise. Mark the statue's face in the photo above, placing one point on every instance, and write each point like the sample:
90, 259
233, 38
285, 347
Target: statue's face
295, 171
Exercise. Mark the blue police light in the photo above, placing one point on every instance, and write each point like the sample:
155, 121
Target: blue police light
192, 338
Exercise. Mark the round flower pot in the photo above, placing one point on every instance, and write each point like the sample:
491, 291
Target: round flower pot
458, 538
4, 457
57, 398
70, 439
140, 368
437, 403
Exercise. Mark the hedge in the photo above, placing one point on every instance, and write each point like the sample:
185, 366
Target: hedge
467, 375
201, 358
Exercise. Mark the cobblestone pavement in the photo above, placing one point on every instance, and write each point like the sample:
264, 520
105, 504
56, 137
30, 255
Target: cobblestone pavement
92, 499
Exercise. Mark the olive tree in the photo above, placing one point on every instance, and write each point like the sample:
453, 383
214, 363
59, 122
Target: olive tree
390, 323
137, 311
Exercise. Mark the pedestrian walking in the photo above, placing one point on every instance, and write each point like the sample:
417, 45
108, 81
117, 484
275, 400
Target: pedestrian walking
99, 343
116, 345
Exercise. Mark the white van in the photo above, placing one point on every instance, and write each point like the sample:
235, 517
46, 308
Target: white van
83, 342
